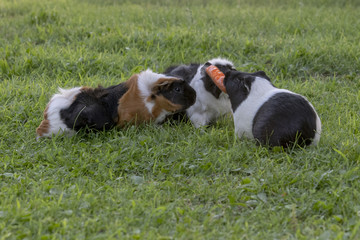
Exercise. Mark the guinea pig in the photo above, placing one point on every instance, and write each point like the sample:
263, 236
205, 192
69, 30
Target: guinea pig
272, 116
145, 97
153, 97
211, 103
82, 107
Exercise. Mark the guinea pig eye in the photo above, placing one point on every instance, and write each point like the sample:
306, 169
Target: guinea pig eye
177, 89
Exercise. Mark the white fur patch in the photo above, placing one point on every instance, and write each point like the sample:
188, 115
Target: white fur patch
146, 81
149, 105
318, 128
207, 108
220, 61
161, 116
261, 91
60, 101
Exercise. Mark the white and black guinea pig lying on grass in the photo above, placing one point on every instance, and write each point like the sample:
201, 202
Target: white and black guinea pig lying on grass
145, 97
211, 103
274, 117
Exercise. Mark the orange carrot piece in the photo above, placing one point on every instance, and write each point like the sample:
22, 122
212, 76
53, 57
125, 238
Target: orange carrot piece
217, 76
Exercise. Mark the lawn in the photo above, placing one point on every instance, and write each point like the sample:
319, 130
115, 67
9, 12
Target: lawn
175, 181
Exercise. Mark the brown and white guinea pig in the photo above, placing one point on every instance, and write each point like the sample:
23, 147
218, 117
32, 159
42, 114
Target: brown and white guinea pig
211, 103
273, 116
145, 97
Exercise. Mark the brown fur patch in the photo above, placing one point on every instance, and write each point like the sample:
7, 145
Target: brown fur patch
161, 103
45, 124
85, 89
131, 107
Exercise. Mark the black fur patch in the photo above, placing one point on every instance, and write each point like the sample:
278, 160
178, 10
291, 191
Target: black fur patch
283, 120
238, 86
94, 108
261, 74
177, 117
185, 72
111, 100
179, 92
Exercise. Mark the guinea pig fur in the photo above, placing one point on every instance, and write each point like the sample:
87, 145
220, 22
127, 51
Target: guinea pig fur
274, 117
211, 103
145, 97
82, 107
152, 97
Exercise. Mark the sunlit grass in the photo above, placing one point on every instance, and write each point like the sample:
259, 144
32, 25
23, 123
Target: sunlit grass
177, 182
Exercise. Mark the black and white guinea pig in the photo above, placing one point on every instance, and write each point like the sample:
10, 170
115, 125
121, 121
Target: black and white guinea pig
211, 103
274, 117
145, 97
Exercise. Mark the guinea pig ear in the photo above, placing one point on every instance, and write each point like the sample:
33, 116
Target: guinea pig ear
262, 74
227, 74
247, 83
207, 64
161, 84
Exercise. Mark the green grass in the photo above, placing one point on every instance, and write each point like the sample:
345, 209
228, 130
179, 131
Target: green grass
177, 182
